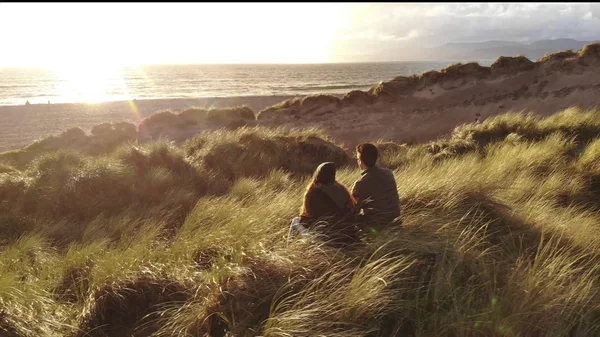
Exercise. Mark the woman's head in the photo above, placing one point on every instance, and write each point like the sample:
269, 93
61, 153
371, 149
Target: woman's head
325, 174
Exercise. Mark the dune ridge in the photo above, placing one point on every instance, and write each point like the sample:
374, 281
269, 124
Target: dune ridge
425, 107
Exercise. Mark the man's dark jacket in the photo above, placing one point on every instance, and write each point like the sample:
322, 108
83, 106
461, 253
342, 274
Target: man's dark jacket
377, 193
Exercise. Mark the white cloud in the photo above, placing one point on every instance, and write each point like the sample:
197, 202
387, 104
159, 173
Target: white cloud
595, 10
389, 29
473, 22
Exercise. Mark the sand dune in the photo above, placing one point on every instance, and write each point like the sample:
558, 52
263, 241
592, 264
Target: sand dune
405, 109
425, 107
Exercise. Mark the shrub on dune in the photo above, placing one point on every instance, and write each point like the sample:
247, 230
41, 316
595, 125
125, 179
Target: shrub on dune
104, 139
229, 114
357, 97
589, 160
129, 307
74, 138
511, 65
6, 168
12, 192
583, 126
257, 151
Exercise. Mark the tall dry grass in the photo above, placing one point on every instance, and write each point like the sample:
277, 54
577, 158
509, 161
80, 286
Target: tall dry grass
500, 237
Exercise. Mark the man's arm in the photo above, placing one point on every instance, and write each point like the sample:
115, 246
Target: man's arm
358, 193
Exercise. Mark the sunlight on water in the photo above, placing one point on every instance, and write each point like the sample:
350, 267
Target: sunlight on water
91, 83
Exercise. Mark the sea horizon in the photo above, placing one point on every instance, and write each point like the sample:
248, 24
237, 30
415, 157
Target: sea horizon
195, 81
50, 68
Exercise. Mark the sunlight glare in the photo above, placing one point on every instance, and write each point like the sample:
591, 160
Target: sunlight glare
90, 82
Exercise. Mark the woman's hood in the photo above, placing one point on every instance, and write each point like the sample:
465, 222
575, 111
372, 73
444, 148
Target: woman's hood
325, 173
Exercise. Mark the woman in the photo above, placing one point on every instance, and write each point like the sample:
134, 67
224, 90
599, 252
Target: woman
327, 208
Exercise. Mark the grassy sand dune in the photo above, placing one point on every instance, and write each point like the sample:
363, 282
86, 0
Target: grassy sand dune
424, 107
500, 236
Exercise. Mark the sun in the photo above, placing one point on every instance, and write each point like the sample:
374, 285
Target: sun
89, 82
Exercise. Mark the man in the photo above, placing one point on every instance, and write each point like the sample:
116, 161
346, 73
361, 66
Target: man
375, 192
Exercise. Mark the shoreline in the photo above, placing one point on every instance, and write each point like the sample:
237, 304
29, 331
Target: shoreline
256, 100
217, 99
21, 125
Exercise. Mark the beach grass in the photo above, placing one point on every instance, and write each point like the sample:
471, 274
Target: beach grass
500, 236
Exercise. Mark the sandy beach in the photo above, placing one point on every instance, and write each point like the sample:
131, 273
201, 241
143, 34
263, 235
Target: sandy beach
23, 124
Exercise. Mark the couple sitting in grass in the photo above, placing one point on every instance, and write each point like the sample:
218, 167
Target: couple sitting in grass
330, 209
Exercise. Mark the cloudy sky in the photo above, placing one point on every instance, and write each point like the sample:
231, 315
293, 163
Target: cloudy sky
62, 34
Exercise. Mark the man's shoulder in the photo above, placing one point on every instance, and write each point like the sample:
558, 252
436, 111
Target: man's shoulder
378, 170
387, 171
362, 181
390, 175
375, 171
358, 182
383, 174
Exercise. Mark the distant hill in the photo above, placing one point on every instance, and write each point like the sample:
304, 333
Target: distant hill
491, 50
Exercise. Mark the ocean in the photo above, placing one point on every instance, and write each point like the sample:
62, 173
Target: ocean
93, 84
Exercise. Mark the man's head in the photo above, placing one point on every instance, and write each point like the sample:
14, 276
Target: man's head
366, 154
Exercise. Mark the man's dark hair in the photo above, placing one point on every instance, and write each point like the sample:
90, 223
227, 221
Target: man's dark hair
367, 153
